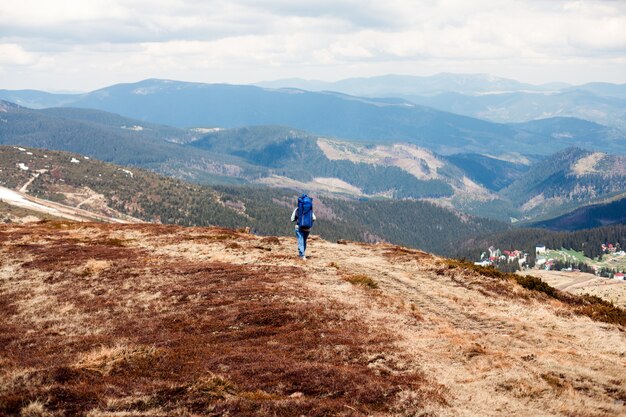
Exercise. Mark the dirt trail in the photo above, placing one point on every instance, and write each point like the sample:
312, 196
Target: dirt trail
22, 199
24, 188
481, 352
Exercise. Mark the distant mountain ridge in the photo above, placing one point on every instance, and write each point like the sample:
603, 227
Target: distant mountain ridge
407, 85
485, 96
329, 114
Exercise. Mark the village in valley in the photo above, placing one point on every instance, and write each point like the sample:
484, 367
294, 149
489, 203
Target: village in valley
612, 263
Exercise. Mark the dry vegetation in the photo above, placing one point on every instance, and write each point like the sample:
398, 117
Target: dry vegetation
583, 283
147, 320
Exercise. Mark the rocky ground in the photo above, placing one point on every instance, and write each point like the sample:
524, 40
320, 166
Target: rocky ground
149, 320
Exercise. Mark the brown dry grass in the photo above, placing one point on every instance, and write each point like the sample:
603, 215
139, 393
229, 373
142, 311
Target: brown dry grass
362, 280
192, 321
588, 305
186, 337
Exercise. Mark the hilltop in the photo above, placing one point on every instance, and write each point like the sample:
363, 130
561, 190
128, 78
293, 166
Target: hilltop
111, 320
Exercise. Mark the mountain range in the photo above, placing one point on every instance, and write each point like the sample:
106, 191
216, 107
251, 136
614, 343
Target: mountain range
485, 96
339, 144
333, 114
520, 187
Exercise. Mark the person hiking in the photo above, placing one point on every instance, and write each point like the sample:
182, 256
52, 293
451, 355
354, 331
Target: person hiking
304, 217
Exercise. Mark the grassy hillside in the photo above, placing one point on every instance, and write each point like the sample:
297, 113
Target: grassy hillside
111, 320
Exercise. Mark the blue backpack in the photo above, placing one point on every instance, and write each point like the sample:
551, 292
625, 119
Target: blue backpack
305, 212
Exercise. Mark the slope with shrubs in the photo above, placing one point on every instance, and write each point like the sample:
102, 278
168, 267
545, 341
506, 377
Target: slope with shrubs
102, 187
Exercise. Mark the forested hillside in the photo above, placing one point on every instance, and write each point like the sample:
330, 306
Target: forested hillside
566, 180
493, 173
588, 217
285, 157
296, 154
71, 179
112, 138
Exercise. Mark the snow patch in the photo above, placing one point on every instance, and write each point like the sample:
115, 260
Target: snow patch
86, 157
29, 153
562, 135
17, 199
75, 161
21, 149
135, 128
207, 129
22, 166
128, 172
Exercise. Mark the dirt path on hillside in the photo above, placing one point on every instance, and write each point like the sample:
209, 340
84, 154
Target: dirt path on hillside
489, 354
24, 188
24, 200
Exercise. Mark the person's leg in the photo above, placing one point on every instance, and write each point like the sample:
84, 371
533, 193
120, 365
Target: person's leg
305, 236
301, 243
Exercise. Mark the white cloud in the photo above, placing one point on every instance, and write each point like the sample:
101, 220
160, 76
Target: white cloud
246, 40
13, 54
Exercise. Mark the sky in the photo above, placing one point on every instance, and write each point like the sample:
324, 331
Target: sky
81, 45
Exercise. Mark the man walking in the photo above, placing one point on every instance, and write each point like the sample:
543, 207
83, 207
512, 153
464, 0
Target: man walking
304, 217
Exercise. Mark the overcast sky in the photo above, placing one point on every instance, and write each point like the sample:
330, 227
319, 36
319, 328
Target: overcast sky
87, 44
